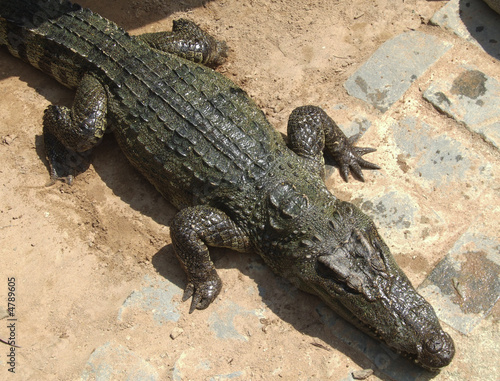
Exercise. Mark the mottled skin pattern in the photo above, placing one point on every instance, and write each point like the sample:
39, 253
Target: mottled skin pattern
208, 149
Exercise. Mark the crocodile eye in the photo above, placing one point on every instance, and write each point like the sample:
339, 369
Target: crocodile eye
334, 265
324, 271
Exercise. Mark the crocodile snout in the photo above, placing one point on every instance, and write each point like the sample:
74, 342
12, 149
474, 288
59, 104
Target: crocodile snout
437, 350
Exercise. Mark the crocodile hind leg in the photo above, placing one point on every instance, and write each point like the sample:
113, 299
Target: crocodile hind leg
70, 134
311, 131
189, 41
193, 230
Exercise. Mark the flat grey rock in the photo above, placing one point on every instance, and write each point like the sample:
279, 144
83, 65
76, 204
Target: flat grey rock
115, 362
465, 285
494, 4
156, 299
391, 70
472, 98
431, 156
392, 210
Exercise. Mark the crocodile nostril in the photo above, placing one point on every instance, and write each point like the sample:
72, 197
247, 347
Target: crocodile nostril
434, 344
437, 351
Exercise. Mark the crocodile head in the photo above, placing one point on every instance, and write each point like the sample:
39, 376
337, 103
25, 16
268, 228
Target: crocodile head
356, 275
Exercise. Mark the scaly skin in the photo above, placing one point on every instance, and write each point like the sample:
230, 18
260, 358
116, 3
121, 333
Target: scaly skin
208, 149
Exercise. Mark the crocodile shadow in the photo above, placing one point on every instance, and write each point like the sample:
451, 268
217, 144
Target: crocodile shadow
132, 15
483, 24
305, 312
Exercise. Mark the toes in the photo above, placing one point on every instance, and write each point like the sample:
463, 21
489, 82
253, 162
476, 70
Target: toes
352, 162
344, 172
64, 162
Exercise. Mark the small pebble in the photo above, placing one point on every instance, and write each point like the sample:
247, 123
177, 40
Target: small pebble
176, 332
9, 139
362, 374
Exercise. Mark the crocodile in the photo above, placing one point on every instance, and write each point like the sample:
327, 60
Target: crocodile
208, 149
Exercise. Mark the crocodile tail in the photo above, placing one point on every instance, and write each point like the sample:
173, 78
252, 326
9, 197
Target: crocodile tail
19, 17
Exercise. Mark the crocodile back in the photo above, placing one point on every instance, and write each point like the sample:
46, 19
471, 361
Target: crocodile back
188, 129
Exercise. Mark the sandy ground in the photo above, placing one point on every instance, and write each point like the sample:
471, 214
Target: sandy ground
76, 252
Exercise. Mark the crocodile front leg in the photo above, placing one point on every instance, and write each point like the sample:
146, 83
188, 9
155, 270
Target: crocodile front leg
188, 41
70, 134
311, 130
193, 230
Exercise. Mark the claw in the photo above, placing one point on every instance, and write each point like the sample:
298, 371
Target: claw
188, 292
195, 303
357, 172
366, 164
344, 172
203, 292
64, 162
364, 150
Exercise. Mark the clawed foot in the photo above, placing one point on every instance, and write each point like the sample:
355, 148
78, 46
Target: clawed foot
350, 160
203, 292
64, 162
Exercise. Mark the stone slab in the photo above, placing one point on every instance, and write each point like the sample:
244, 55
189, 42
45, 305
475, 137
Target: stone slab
221, 321
431, 156
465, 285
115, 362
156, 298
472, 98
472, 20
391, 70
392, 210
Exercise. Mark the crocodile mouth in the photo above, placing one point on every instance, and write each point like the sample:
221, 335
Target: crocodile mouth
435, 351
431, 349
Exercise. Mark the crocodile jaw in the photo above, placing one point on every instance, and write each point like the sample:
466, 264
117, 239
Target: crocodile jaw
418, 337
